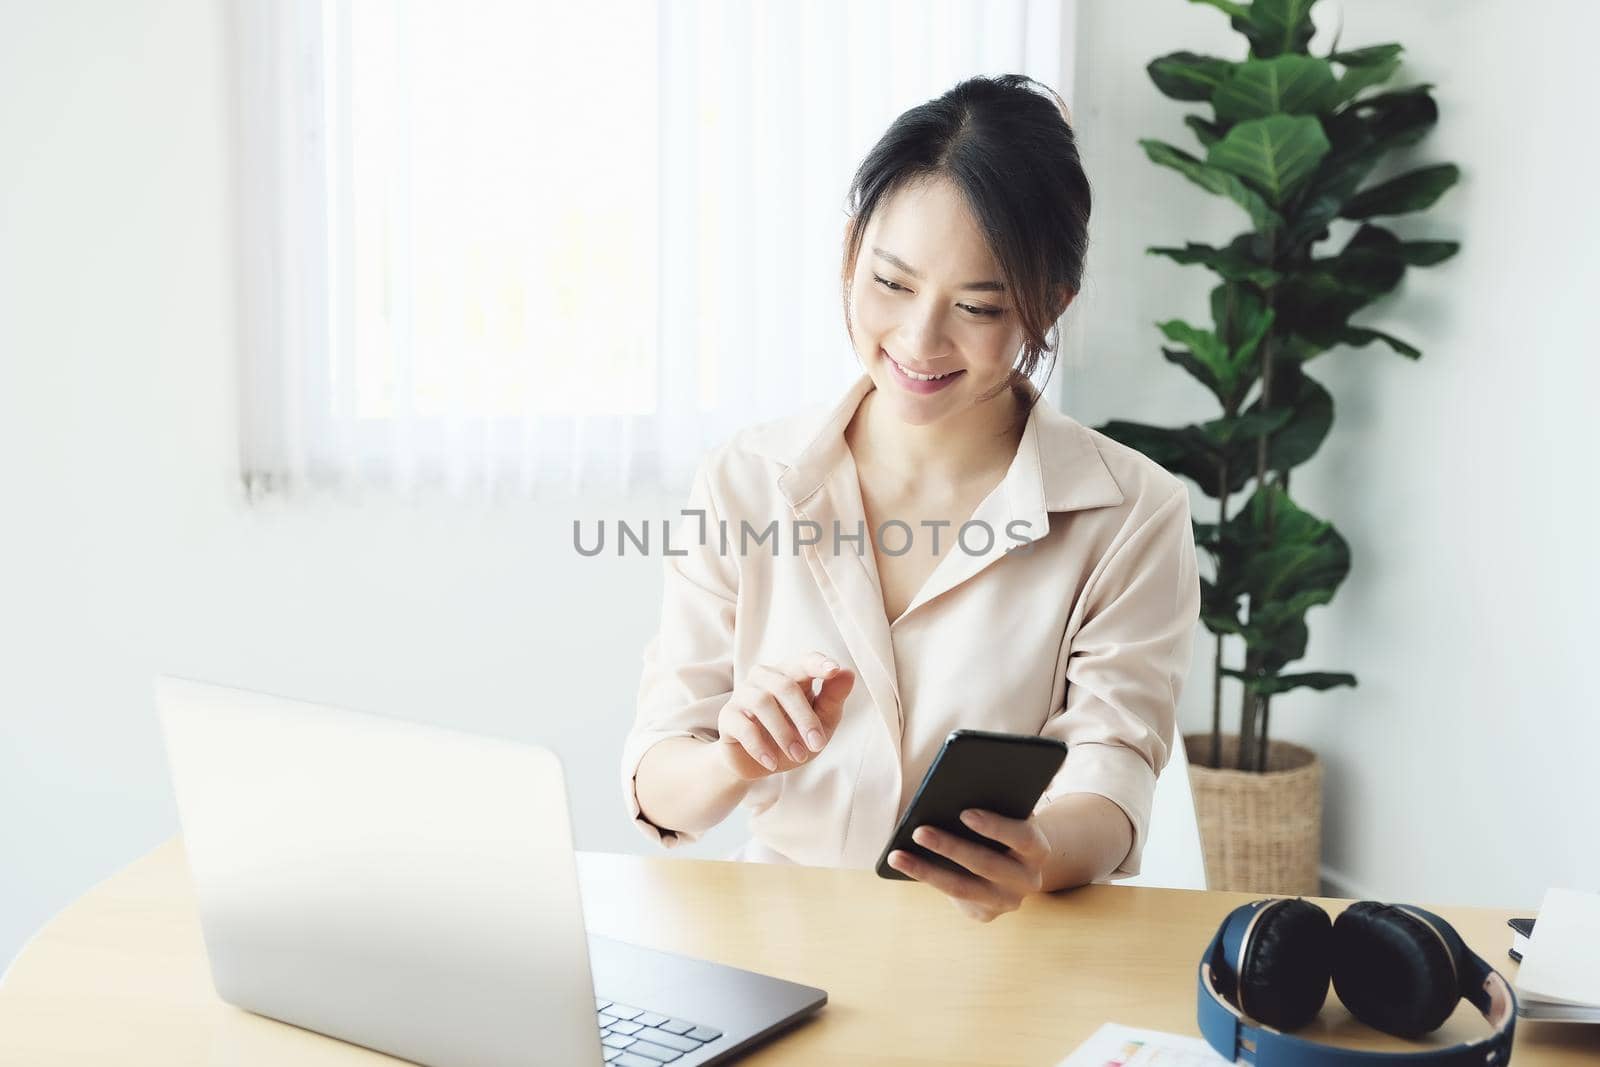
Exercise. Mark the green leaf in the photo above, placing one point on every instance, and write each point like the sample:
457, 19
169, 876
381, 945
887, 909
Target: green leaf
1411, 191
1184, 451
1360, 335
1427, 253
1160, 443
1216, 181
1236, 10
1270, 684
1283, 645
1207, 133
1202, 373
1316, 301
1291, 565
1290, 84
1242, 319
1311, 406
1399, 117
1232, 262
1203, 343
1284, 561
1296, 348
1316, 680
1359, 136
1300, 603
1372, 55
1356, 79
1196, 452
1373, 258
1188, 76
1233, 429
1276, 27
1274, 154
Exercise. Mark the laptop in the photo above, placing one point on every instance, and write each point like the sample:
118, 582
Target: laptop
414, 890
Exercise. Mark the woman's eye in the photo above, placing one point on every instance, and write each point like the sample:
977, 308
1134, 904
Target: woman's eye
987, 313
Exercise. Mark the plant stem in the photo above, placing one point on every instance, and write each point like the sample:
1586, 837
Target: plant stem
1216, 666
1247, 718
1266, 702
1261, 742
1260, 704
1216, 707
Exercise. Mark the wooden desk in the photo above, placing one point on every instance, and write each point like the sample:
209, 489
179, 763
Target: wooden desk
121, 977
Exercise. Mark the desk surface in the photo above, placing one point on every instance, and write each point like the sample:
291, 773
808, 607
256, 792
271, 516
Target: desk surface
120, 976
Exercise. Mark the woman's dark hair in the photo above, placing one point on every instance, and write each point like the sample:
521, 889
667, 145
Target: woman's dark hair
1011, 153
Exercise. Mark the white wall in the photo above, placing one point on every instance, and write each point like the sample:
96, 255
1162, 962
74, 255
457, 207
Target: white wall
1463, 768
125, 550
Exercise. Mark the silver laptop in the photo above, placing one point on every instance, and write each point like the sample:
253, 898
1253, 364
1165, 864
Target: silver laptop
414, 890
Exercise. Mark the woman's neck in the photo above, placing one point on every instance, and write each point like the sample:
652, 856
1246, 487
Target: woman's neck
970, 446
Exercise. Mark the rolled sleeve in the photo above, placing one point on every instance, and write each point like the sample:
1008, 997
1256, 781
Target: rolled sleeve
688, 666
1126, 668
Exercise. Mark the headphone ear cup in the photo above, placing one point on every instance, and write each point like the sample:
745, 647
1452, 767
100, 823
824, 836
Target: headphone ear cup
1283, 979
1392, 970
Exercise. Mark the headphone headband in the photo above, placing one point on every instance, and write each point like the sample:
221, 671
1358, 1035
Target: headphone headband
1243, 1040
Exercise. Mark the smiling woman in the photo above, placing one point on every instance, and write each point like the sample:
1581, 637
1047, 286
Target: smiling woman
999, 206
816, 686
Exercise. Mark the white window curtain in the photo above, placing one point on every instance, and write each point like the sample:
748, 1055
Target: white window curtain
534, 249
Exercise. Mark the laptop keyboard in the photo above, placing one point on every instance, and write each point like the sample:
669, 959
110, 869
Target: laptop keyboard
633, 1037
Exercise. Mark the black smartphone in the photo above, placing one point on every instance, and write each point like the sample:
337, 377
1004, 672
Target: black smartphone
1002, 773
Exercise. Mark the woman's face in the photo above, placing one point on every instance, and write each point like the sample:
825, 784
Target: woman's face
929, 300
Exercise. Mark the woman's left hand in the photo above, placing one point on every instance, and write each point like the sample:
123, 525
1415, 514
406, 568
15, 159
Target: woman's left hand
994, 882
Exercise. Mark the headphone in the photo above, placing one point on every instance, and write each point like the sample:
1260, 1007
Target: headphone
1397, 968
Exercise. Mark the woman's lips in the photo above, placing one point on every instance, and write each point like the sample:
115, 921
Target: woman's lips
917, 385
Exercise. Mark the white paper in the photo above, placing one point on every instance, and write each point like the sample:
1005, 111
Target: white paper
1562, 961
1115, 1045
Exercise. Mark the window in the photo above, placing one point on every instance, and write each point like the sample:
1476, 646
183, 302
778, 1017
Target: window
527, 248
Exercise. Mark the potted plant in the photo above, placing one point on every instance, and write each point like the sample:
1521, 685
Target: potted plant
1290, 138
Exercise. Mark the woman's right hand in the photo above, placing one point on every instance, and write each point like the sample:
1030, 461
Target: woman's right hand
773, 723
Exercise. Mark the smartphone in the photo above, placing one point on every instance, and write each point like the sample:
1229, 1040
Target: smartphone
1002, 773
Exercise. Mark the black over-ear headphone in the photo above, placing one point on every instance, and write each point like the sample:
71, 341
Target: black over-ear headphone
1397, 968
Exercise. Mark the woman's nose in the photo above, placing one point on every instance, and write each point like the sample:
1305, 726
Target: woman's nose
922, 335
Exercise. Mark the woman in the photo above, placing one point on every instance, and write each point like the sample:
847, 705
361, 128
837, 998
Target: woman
1019, 572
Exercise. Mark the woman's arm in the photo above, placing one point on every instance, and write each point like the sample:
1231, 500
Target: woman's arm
1074, 840
1125, 671
770, 725
685, 785
687, 677
1089, 837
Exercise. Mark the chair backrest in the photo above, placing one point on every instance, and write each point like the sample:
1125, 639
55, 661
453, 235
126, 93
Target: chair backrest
1172, 858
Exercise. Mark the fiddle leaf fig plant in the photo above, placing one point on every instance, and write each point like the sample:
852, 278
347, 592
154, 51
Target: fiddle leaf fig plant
1291, 139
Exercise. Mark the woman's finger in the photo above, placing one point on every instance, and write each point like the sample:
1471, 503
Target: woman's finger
765, 707
748, 734
981, 860
962, 887
1019, 835
812, 665
829, 701
797, 704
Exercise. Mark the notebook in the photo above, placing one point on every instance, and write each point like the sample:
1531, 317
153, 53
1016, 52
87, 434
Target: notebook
1558, 978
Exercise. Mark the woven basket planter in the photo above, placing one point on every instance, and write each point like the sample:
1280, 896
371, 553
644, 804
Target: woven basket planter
1261, 833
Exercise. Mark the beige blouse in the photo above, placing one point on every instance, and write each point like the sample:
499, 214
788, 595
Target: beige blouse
1075, 620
